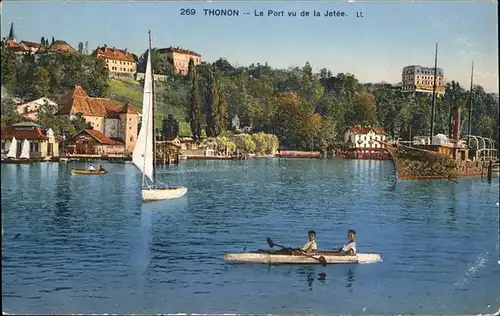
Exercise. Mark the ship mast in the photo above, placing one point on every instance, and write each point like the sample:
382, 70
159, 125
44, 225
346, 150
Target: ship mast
433, 111
153, 113
470, 107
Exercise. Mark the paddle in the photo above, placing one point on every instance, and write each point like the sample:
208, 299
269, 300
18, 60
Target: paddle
271, 244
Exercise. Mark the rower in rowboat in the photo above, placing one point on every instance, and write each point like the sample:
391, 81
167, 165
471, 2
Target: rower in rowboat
309, 247
350, 247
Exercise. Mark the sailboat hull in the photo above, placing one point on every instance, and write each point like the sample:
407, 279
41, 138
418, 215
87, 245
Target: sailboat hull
16, 161
159, 194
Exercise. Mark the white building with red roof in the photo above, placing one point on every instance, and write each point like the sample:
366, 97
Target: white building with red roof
42, 144
120, 62
365, 142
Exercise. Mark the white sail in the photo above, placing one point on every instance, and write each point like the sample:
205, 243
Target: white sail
142, 155
25, 151
12, 149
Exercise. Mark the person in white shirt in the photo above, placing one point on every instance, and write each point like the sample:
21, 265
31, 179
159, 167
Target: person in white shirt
91, 168
311, 245
350, 247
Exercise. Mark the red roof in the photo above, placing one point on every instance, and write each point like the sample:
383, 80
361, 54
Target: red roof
31, 44
77, 101
365, 130
115, 53
22, 132
178, 50
60, 46
100, 137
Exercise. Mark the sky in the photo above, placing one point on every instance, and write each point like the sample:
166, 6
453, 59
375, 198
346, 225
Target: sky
375, 47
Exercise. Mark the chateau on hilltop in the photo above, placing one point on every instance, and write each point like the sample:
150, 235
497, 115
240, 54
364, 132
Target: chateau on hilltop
179, 58
120, 63
421, 79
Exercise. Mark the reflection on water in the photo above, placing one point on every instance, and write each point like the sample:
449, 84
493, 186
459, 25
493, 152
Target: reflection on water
311, 275
350, 278
76, 244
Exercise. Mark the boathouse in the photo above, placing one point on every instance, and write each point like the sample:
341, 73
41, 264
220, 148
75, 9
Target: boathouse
42, 144
365, 143
93, 142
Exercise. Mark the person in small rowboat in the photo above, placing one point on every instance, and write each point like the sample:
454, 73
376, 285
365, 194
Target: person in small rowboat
309, 247
349, 249
101, 168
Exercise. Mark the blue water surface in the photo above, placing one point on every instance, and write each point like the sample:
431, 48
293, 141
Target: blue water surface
88, 244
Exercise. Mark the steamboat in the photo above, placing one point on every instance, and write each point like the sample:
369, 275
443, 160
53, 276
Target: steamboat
437, 156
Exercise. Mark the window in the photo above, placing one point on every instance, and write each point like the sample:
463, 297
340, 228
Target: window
131, 138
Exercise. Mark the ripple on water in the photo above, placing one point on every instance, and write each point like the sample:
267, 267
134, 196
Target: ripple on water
88, 244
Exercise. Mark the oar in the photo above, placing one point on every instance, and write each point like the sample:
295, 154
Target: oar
271, 244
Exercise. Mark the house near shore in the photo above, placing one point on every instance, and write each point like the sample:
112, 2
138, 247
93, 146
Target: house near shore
184, 143
42, 144
109, 119
365, 142
93, 142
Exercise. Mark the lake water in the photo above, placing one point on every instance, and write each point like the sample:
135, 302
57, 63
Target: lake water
87, 244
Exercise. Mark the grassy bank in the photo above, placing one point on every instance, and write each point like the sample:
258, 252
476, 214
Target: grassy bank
131, 91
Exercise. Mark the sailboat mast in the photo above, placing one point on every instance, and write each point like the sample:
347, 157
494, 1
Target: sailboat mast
153, 112
433, 110
470, 106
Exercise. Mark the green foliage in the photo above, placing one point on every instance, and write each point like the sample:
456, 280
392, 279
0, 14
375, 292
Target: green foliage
194, 104
170, 127
124, 91
217, 112
8, 111
304, 110
51, 75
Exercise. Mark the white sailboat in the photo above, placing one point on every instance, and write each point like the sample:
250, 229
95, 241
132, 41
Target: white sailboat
144, 154
25, 151
12, 149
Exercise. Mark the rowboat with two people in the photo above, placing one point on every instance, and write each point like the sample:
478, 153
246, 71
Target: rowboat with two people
307, 254
90, 171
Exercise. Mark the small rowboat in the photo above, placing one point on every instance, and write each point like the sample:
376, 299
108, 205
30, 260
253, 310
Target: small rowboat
88, 172
276, 257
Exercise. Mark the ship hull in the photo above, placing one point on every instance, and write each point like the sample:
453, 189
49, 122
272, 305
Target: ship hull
421, 163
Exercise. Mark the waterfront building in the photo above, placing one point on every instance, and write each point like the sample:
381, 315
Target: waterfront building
120, 62
179, 58
365, 142
112, 119
416, 78
93, 142
42, 144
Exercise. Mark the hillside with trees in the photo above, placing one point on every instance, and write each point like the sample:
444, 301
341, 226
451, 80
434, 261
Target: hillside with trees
305, 110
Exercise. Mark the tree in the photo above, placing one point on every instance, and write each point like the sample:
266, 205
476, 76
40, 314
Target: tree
41, 83
194, 110
216, 107
364, 111
80, 48
9, 68
170, 127
80, 123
